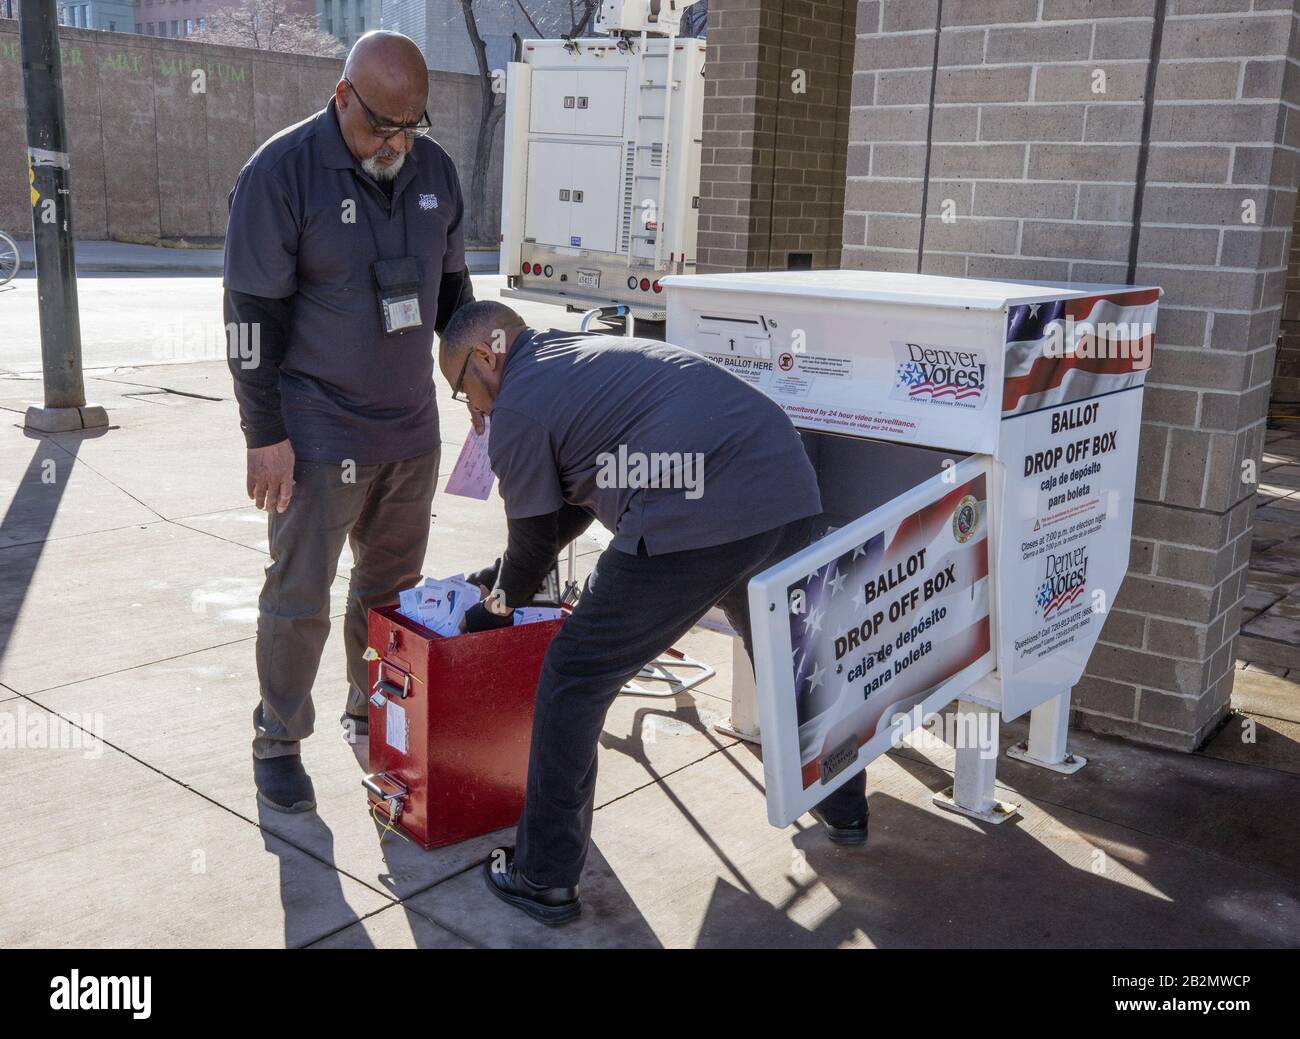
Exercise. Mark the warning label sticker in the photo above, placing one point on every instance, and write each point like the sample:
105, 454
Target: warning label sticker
834, 367
395, 726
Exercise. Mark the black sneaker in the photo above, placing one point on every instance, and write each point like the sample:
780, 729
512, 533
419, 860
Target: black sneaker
354, 725
846, 833
283, 784
550, 905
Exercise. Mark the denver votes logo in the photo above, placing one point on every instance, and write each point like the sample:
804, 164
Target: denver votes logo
938, 375
429, 201
1065, 576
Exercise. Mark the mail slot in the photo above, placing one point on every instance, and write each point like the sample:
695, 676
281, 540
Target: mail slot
975, 444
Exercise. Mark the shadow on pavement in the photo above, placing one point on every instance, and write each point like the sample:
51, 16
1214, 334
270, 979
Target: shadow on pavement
306, 909
29, 519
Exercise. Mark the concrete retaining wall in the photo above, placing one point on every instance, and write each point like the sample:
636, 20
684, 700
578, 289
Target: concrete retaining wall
150, 156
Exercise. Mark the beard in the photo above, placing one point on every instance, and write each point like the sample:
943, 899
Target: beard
381, 172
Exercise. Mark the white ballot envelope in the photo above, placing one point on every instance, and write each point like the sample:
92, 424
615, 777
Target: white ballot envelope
439, 604
533, 614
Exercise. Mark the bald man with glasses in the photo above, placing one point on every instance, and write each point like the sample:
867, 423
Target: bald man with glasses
344, 255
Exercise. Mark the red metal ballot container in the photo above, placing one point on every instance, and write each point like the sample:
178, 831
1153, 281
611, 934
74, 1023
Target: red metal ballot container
450, 724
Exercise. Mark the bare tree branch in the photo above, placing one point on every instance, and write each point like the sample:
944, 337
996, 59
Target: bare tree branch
489, 116
525, 13
268, 25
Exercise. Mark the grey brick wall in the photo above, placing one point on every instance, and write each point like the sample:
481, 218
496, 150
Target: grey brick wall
1286, 368
776, 104
1036, 158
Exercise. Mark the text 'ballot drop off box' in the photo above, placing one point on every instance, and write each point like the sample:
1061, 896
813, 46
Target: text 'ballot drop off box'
976, 449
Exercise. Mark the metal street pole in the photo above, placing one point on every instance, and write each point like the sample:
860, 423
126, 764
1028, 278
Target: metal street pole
56, 280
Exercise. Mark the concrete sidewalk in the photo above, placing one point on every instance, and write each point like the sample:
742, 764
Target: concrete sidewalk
130, 564
122, 257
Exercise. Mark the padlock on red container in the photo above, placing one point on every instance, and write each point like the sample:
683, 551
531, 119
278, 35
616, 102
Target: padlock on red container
450, 724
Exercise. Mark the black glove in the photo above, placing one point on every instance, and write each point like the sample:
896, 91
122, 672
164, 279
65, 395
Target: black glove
487, 577
479, 618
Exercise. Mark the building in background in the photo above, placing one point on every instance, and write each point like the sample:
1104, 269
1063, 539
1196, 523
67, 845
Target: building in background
346, 20
108, 15
178, 19
438, 27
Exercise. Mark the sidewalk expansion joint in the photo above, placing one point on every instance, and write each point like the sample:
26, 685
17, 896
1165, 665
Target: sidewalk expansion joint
392, 909
224, 807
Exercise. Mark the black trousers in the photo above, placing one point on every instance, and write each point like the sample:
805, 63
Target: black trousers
632, 608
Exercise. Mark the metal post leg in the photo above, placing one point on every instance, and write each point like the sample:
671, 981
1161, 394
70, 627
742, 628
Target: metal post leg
743, 723
1049, 725
974, 776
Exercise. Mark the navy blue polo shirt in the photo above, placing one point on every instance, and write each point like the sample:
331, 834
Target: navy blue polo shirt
658, 443
306, 224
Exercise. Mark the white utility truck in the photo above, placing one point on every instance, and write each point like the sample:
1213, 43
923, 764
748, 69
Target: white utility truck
600, 189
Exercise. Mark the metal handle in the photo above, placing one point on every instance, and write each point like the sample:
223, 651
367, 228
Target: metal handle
617, 310
392, 800
371, 783
390, 688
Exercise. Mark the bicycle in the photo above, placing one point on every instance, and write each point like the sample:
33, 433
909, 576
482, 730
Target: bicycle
10, 261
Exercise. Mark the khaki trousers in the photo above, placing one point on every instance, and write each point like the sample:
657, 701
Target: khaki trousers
383, 511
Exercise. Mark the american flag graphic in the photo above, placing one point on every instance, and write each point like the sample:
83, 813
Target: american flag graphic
912, 376
1050, 604
1034, 380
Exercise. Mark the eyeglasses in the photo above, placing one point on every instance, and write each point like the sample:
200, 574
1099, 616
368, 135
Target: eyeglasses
385, 129
457, 394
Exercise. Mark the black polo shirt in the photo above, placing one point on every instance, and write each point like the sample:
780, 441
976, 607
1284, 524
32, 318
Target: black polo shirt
579, 414
306, 224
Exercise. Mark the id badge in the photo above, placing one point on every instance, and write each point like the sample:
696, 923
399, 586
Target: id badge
397, 287
400, 313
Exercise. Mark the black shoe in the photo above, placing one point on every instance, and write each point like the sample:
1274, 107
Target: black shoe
354, 725
850, 833
550, 905
283, 784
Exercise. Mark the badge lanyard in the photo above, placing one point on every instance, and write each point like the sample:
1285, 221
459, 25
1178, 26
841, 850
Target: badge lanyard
374, 236
397, 280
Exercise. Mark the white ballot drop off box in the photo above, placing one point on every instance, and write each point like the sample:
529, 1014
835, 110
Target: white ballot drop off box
976, 448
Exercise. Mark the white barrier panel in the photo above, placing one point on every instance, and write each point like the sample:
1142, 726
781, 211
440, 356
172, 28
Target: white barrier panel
885, 615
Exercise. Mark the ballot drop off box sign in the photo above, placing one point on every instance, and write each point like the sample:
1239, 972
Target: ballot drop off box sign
976, 448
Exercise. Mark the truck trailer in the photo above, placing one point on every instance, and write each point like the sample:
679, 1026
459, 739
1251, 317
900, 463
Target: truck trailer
600, 187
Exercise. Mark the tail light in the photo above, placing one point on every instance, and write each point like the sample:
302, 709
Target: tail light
657, 287
645, 284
